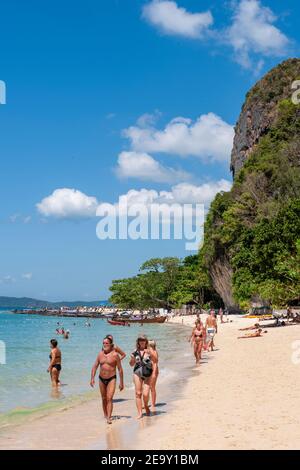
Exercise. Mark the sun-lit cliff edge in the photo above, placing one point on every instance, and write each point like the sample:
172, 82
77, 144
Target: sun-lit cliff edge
252, 236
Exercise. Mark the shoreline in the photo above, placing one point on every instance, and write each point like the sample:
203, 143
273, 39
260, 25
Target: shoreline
244, 395
56, 425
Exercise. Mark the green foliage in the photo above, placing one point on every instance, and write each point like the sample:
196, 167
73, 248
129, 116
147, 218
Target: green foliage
257, 224
276, 84
152, 288
255, 227
167, 283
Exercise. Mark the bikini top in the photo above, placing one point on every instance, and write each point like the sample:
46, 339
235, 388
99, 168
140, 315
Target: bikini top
199, 335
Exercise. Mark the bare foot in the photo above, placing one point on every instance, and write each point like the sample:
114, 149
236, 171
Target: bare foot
109, 421
147, 410
139, 417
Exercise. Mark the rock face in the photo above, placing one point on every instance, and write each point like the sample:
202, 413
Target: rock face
221, 275
258, 114
259, 110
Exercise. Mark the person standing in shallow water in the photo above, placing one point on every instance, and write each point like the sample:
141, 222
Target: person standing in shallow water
141, 361
154, 376
55, 363
108, 360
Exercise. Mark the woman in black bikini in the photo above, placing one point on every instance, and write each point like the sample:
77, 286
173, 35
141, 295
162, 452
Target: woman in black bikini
55, 363
142, 362
108, 360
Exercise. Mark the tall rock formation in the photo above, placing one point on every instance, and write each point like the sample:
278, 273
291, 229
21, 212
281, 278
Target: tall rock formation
260, 110
266, 137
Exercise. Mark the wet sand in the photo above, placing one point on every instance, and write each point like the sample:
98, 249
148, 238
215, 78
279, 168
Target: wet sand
81, 426
244, 395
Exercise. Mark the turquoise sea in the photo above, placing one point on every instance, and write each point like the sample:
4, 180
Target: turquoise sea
24, 381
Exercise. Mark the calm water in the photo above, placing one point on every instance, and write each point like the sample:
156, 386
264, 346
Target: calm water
24, 382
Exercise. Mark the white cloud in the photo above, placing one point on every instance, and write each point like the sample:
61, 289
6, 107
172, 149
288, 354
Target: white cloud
60, 206
141, 165
186, 193
173, 20
13, 218
68, 203
19, 218
253, 31
27, 276
209, 137
8, 279
148, 119
183, 193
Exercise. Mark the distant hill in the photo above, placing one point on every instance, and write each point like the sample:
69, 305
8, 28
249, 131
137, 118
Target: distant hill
27, 302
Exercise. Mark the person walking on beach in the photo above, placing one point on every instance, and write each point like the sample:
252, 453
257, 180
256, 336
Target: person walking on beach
198, 340
142, 362
211, 329
226, 313
118, 350
108, 360
155, 372
221, 313
55, 363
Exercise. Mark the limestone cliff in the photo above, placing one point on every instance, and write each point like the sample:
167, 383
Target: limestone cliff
260, 110
252, 233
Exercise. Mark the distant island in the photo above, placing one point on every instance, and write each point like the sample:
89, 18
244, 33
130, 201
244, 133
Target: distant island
27, 302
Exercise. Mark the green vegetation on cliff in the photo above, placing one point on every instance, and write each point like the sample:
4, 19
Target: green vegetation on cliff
256, 226
251, 247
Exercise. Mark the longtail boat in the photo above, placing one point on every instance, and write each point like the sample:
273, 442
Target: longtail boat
141, 320
118, 322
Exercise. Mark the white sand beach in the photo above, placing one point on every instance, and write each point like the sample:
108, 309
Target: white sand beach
244, 395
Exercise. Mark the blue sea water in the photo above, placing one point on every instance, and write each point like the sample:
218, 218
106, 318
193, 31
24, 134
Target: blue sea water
24, 381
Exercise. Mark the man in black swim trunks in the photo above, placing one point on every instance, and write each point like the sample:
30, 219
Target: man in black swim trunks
108, 360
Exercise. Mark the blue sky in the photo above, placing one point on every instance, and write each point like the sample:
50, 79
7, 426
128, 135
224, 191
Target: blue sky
108, 97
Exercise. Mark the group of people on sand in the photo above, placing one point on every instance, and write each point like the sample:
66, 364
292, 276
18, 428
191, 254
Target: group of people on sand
143, 360
202, 337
